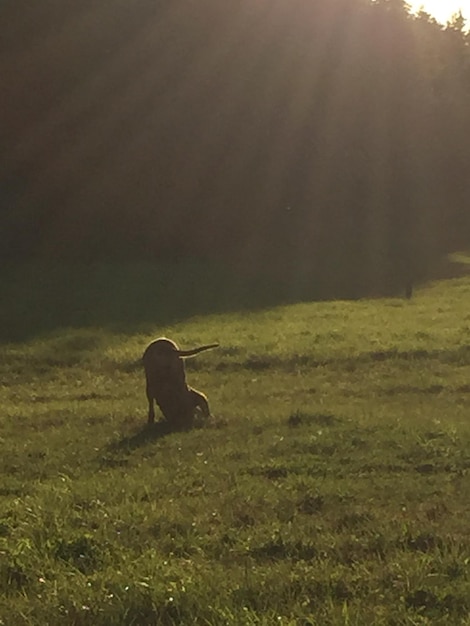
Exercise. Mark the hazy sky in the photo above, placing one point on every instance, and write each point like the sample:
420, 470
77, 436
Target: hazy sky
442, 10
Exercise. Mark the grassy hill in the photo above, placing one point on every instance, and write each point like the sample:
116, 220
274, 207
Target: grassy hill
331, 486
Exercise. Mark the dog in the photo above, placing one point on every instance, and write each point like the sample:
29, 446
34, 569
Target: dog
166, 383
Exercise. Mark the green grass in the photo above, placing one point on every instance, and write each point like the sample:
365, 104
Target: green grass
330, 487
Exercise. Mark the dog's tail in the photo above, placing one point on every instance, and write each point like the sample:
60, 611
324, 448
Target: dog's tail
194, 351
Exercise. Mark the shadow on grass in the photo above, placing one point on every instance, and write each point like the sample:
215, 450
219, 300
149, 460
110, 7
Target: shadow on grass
135, 297
116, 453
144, 436
122, 298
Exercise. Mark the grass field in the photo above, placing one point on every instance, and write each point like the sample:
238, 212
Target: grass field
331, 486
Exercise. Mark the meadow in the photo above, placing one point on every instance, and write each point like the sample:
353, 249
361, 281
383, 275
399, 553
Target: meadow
330, 487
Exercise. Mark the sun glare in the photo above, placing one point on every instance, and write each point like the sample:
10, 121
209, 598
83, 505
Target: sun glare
442, 10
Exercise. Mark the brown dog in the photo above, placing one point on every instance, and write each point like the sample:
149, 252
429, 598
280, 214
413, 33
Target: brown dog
166, 383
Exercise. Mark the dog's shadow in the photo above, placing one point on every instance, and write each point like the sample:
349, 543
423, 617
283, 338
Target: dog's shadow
144, 436
115, 453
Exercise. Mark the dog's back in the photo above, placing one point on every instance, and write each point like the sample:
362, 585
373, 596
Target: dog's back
164, 368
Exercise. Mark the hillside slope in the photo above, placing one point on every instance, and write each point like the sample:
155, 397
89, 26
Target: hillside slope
330, 486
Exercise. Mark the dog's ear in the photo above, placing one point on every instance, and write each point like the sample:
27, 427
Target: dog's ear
194, 351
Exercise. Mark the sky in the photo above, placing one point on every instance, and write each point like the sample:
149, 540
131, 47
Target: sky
442, 10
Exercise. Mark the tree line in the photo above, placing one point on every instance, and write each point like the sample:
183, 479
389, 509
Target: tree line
319, 142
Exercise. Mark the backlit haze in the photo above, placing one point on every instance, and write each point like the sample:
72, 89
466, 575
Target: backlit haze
442, 10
